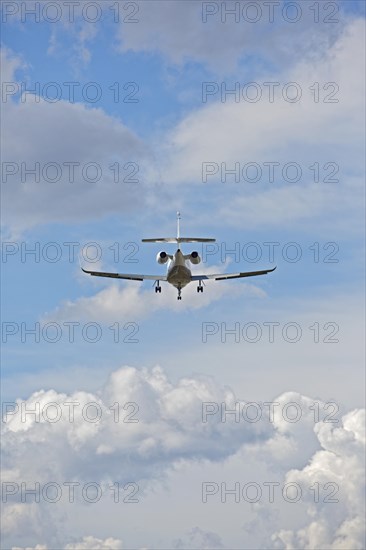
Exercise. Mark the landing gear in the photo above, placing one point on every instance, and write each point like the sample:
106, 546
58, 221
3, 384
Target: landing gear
179, 297
200, 287
157, 287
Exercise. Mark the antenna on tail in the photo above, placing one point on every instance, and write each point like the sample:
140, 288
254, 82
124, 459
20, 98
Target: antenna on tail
178, 226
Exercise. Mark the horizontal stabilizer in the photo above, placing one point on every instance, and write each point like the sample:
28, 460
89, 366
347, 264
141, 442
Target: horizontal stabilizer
178, 240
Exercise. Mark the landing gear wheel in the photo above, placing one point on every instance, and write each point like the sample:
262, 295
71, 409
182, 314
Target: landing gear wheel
158, 289
200, 288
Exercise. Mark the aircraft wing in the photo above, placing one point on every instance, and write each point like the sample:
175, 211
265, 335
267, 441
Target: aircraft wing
129, 276
223, 276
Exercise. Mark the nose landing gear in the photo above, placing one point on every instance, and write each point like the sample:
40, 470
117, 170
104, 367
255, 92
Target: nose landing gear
179, 297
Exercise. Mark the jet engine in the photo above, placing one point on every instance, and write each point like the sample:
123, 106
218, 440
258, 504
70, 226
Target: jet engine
194, 258
162, 257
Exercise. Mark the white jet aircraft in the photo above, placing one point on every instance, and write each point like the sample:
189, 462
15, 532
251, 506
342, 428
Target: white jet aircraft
178, 273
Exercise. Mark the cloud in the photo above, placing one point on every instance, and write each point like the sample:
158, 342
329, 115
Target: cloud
67, 22
167, 426
87, 543
48, 138
340, 464
169, 436
82, 34
233, 132
157, 424
10, 64
282, 132
27, 519
92, 543
197, 538
134, 301
241, 124
181, 34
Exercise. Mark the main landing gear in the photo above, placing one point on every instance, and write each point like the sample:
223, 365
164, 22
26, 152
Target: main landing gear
157, 287
200, 287
179, 297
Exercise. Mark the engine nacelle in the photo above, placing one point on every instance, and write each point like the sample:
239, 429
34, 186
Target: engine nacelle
162, 257
194, 258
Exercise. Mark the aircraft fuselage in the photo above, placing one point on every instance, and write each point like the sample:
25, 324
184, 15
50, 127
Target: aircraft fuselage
178, 275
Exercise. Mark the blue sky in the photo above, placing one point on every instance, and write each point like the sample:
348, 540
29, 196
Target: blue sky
163, 61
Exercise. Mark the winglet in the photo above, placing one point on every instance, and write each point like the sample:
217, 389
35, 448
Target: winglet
81, 267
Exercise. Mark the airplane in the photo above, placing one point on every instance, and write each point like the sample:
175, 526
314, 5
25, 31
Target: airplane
178, 273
